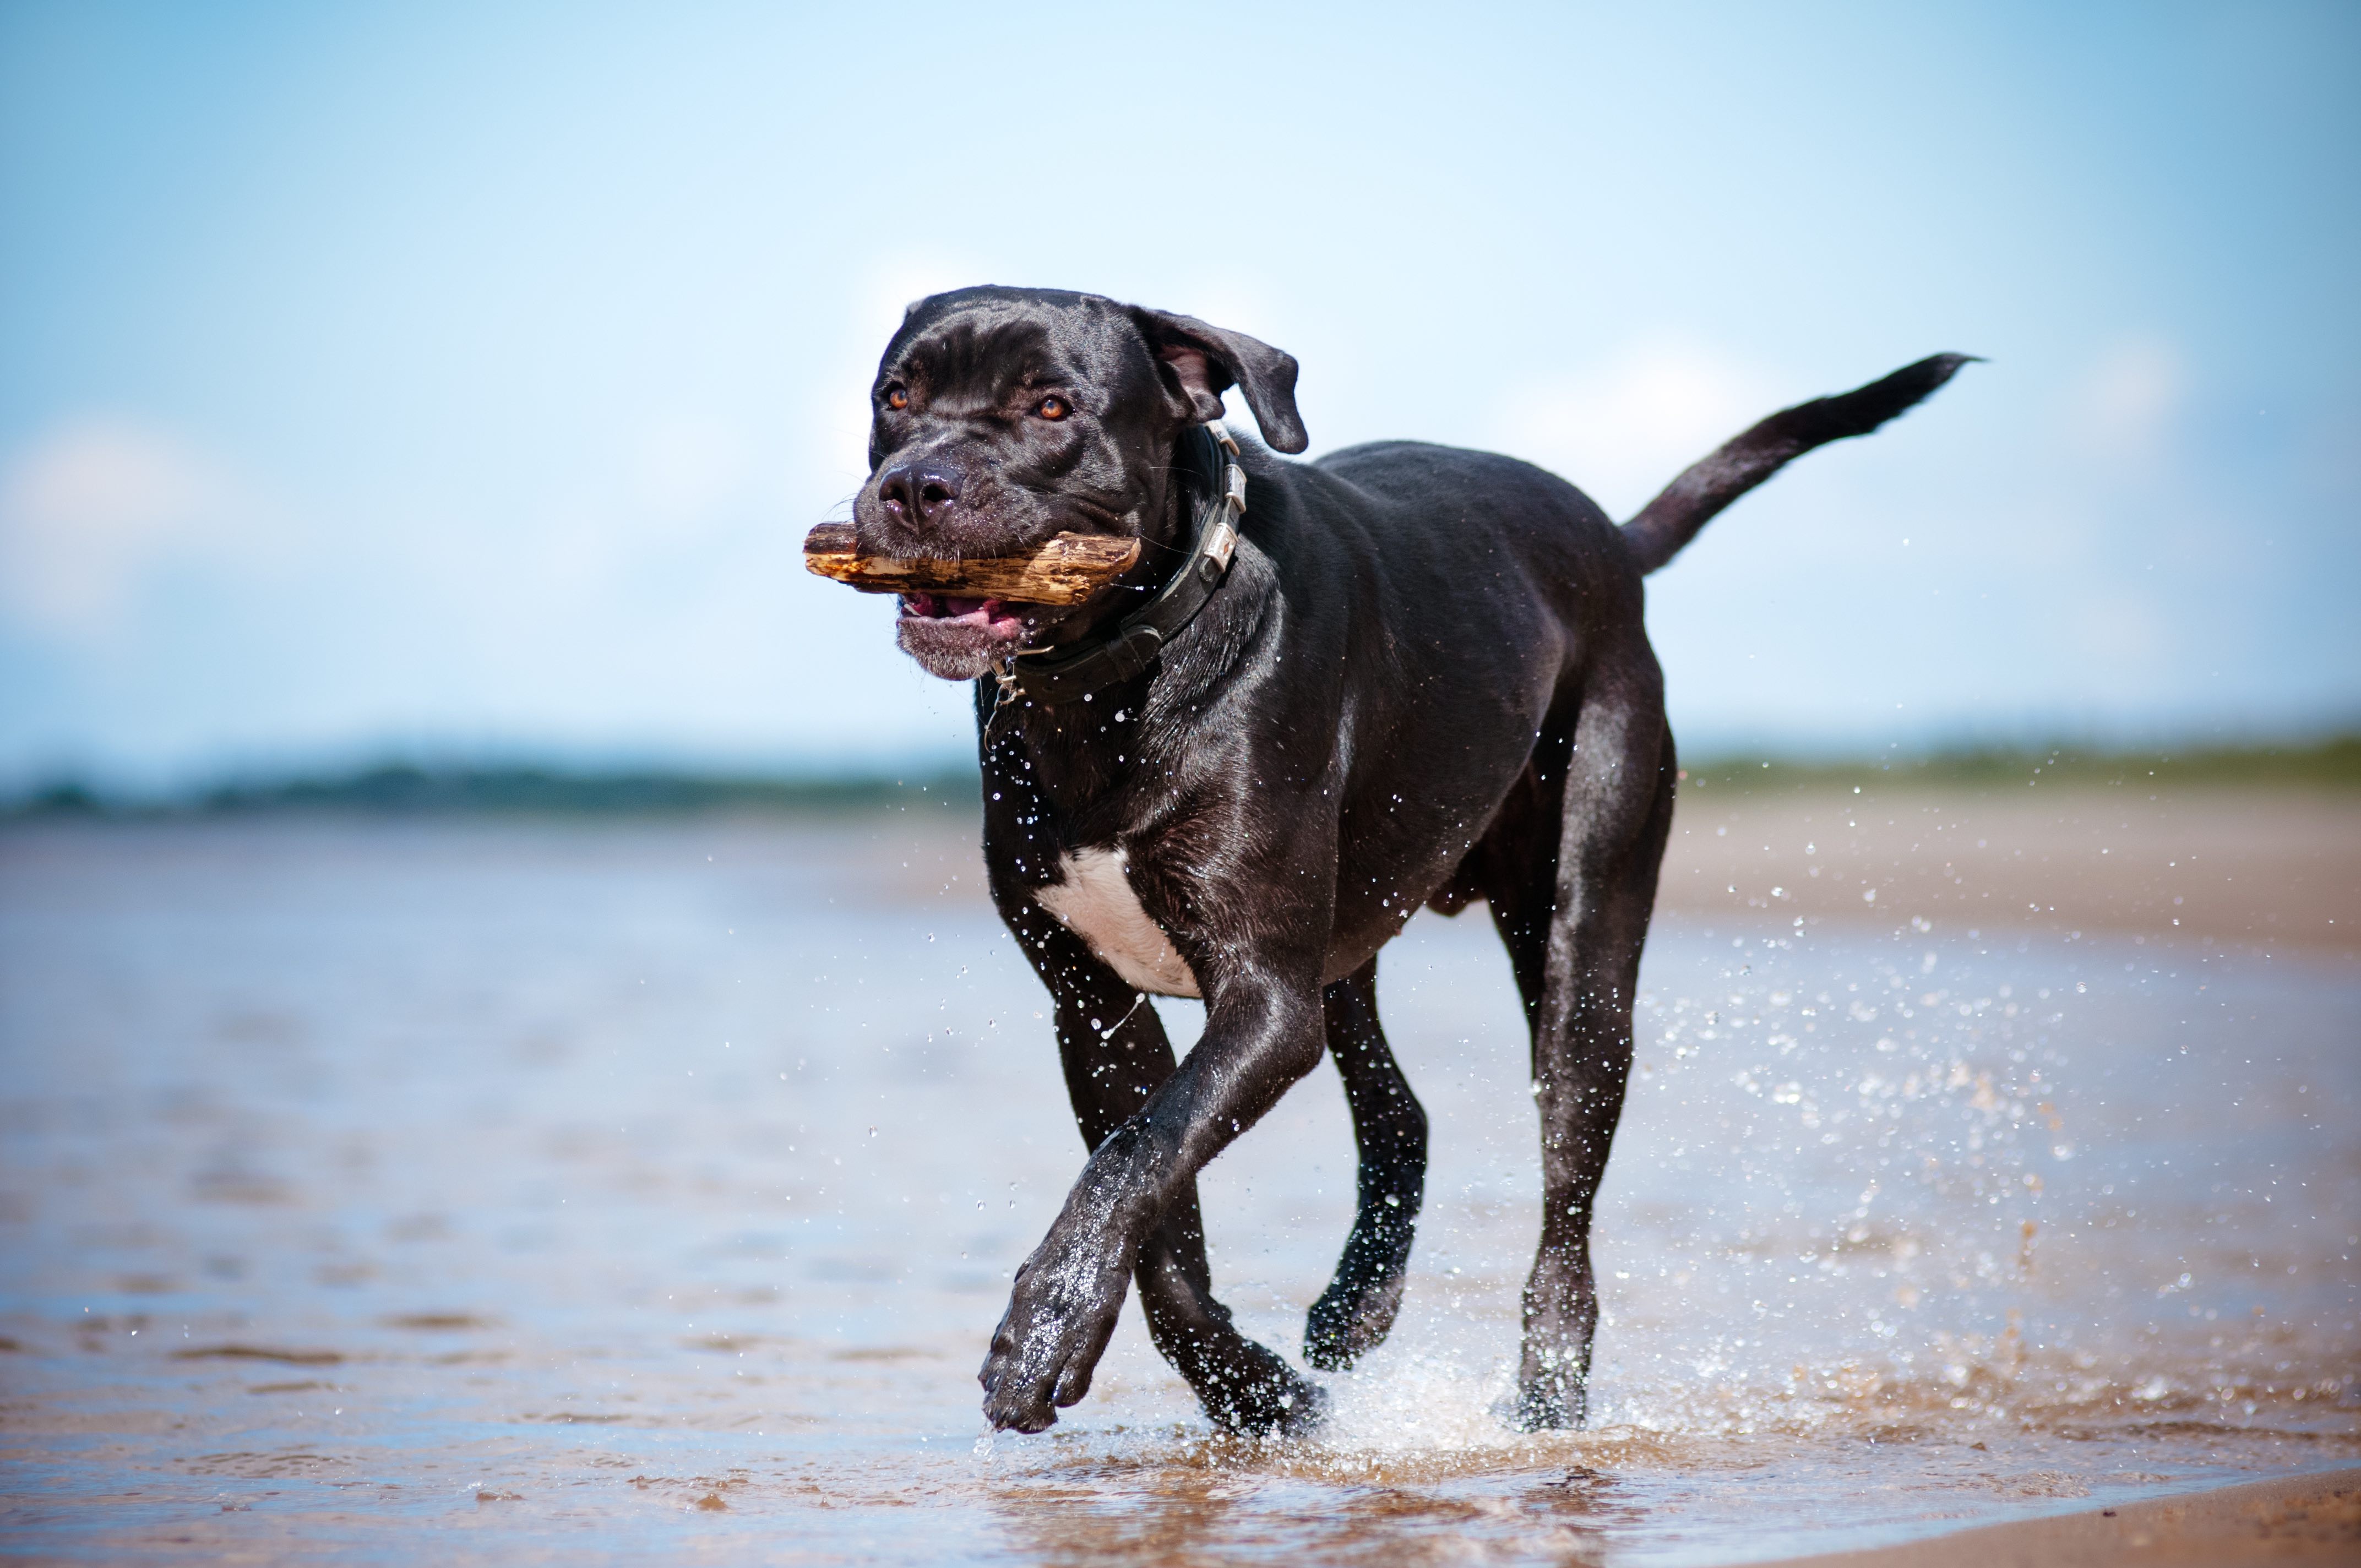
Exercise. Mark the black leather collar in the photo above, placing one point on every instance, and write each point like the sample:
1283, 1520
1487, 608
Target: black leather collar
1052, 676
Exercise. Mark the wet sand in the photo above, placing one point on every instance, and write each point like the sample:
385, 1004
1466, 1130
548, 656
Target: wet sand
2304, 1520
646, 1191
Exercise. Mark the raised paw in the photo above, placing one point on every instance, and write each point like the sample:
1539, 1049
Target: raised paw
1356, 1311
1351, 1319
1061, 1315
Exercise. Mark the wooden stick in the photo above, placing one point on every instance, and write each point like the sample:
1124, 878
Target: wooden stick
1067, 570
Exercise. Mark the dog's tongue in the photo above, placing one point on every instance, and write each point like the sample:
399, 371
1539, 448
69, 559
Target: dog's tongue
991, 614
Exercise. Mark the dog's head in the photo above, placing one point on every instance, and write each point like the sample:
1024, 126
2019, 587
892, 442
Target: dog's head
1001, 417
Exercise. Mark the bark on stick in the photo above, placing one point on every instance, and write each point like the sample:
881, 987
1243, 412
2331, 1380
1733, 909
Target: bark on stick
1069, 569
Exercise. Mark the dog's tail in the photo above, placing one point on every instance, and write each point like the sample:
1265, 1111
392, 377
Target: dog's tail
1689, 502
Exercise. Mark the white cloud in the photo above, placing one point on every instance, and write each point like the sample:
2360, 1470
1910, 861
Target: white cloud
94, 505
2124, 408
2121, 631
1624, 427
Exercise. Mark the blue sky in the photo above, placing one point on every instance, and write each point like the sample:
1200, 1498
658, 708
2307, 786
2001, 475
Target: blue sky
459, 381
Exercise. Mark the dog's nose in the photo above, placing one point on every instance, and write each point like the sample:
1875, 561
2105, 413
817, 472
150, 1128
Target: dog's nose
919, 492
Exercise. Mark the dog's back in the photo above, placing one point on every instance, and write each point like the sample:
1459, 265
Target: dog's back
1447, 518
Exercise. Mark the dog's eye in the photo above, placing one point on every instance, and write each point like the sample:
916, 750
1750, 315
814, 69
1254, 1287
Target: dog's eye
898, 397
1053, 408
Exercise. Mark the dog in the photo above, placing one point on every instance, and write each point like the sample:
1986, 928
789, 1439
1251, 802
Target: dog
1327, 695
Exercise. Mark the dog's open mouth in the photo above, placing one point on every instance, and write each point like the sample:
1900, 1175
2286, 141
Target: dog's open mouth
960, 638
998, 618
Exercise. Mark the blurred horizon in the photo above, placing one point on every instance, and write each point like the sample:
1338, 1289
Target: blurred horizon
457, 384
530, 787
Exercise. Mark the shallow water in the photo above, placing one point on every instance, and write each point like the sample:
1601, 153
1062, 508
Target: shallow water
538, 1192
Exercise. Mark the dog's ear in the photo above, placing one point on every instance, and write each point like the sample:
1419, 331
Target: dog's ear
1201, 362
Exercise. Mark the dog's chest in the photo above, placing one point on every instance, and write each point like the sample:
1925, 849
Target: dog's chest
1095, 901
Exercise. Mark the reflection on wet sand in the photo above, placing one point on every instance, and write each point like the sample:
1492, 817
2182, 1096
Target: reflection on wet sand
518, 1185
1177, 1511
1191, 1522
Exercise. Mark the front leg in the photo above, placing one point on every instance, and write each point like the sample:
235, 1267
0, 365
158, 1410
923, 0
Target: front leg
1135, 1205
1068, 1295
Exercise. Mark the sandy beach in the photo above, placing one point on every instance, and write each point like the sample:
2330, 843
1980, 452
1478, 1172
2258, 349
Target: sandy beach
483, 1188
2243, 869
2248, 869
2298, 1520
2240, 868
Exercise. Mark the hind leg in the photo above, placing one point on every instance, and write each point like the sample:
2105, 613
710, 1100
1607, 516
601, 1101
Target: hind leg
1574, 921
1354, 1315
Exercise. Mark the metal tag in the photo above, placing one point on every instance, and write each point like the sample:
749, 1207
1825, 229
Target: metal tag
1220, 540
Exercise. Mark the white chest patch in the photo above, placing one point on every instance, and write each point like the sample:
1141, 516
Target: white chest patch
1095, 902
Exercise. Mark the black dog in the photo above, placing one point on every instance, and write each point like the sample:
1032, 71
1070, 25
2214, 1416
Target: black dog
1406, 676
